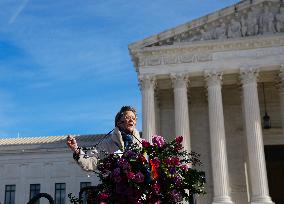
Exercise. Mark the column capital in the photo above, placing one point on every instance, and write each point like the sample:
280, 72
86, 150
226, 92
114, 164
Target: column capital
179, 80
249, 75
213, 78
147, 81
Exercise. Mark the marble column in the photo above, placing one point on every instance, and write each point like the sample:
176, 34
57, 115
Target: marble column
281, 93
180, 82
218, 141
257, 167
147, 85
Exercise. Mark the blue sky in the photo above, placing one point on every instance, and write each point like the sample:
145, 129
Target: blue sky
65, 66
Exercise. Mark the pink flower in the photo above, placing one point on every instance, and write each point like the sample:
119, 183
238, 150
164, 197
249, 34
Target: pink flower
130, 175
158, 141
184, 167
103, 196
145, 143
172, 161
179, 139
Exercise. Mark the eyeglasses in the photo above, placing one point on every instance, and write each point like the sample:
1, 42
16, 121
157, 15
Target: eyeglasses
130, 118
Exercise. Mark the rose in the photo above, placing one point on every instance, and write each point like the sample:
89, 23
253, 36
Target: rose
172, 161
175, 161
145, 143
158, 141
130, 175
179, 139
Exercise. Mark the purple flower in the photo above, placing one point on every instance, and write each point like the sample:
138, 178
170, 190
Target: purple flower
172, 170
139, 177
176, 196
116, 175
177, 181
158, 140
130, 154
116, 172
123, 163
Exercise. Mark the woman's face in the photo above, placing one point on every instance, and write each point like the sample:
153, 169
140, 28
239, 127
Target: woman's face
128, 122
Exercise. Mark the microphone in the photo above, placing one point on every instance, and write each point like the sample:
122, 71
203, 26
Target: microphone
94, 147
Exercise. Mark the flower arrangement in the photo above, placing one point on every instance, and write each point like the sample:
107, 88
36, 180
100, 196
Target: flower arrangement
155, 173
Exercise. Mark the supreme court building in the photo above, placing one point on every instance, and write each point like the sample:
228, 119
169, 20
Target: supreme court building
212, 80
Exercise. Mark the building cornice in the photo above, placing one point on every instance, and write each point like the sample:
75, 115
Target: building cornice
201, 51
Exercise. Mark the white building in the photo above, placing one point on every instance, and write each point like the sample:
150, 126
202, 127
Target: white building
30, 165
204, 80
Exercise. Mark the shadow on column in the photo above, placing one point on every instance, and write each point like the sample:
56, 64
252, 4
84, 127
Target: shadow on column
274, 156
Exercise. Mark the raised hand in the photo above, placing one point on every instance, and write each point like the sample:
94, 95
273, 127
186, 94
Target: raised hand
71, 143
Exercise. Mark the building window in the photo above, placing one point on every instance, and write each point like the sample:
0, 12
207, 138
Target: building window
10, 191
82, 185
60, 191
34, 190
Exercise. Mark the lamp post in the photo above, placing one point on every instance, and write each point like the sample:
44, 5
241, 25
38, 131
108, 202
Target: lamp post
266, 118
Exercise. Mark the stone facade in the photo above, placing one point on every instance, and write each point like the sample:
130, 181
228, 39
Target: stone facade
209, 76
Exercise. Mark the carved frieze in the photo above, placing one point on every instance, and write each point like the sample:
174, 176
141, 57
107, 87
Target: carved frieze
171, 59
252, 54
154, 60
187, 58
176, 59
260, 19
250, 48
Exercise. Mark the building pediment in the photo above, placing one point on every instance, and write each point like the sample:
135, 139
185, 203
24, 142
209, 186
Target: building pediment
247, 18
